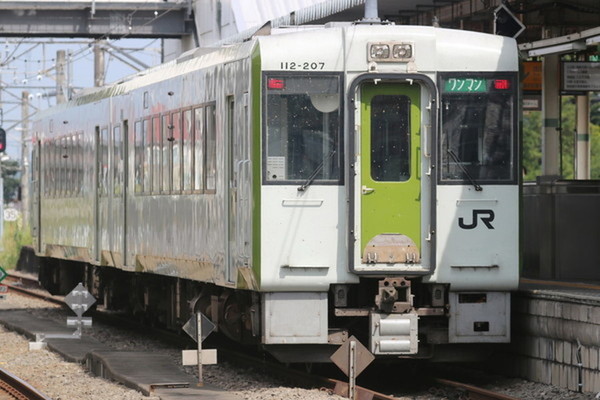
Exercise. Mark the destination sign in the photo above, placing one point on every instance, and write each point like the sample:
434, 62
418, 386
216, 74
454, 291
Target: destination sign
581, 76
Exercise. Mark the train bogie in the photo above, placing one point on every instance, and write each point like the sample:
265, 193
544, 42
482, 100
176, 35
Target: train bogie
298, 188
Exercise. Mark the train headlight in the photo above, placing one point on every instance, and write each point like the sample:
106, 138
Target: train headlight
379, 51
390, 52
402, 51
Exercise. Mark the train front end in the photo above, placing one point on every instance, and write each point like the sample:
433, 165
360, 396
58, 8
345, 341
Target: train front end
388, 190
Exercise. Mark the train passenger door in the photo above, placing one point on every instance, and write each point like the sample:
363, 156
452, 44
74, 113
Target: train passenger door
237, 198
232, 195
390, 177
118, 194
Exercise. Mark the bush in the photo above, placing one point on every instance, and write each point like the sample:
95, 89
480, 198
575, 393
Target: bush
15, 236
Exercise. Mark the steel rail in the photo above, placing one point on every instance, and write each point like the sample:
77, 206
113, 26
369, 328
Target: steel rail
474, 392
18, 388
30, 292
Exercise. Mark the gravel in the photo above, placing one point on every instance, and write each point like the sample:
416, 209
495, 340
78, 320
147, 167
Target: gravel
62, 380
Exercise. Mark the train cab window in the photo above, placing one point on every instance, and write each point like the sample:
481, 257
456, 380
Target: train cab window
302, 133
390, 138
478, 128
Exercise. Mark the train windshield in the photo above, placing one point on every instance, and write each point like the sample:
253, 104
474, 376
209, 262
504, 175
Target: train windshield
302, 128
478, 128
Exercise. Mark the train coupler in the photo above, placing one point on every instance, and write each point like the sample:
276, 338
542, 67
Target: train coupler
394, 295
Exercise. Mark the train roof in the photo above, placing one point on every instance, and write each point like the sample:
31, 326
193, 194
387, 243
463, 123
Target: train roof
450, 50
190, 61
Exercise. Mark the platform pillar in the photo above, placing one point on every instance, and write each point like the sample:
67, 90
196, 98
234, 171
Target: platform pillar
550, 116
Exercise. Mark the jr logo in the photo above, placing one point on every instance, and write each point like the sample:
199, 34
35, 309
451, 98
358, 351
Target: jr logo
486, 216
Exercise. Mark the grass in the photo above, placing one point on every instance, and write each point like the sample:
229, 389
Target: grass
15, 236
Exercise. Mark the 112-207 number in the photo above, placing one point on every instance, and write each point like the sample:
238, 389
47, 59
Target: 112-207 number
307, 66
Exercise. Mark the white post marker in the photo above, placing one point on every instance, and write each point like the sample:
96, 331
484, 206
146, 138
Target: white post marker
352, 371
352, 358
79, 300
198, 328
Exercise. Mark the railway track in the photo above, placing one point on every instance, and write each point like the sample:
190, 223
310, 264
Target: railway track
12, 387
29, 286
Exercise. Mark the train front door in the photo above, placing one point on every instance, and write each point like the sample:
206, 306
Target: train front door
390, 173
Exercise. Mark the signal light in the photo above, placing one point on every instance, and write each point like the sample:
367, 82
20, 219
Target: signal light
501, 84
2, 140
273, 83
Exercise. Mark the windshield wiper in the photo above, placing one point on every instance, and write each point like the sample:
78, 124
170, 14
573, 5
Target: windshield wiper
312, 176
477, 187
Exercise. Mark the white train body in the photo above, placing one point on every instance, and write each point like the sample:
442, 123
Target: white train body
295, 184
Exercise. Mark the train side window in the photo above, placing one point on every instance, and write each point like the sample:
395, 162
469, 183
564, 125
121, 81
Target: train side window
156, 156
63, 166
104, 168
58, 163
199, 149
70, 175
187, 146
49, 167
80, 163
166, 145
44, 167
117, 161
55, 166
73, 165
57, 159
147, 158
176, 150
303, 117
138, 138
211, 149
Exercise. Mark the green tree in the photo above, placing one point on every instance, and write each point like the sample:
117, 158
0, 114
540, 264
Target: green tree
532, 145
568, 124
595, 151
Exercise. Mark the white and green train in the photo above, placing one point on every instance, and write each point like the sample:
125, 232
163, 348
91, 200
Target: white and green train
297, 188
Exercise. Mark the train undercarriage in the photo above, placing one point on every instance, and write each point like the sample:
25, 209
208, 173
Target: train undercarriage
168, 302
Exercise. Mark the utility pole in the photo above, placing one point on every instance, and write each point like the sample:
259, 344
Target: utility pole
99, 63
25, 158
61, 77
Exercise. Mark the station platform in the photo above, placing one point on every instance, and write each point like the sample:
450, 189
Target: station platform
556, 333
148, 372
